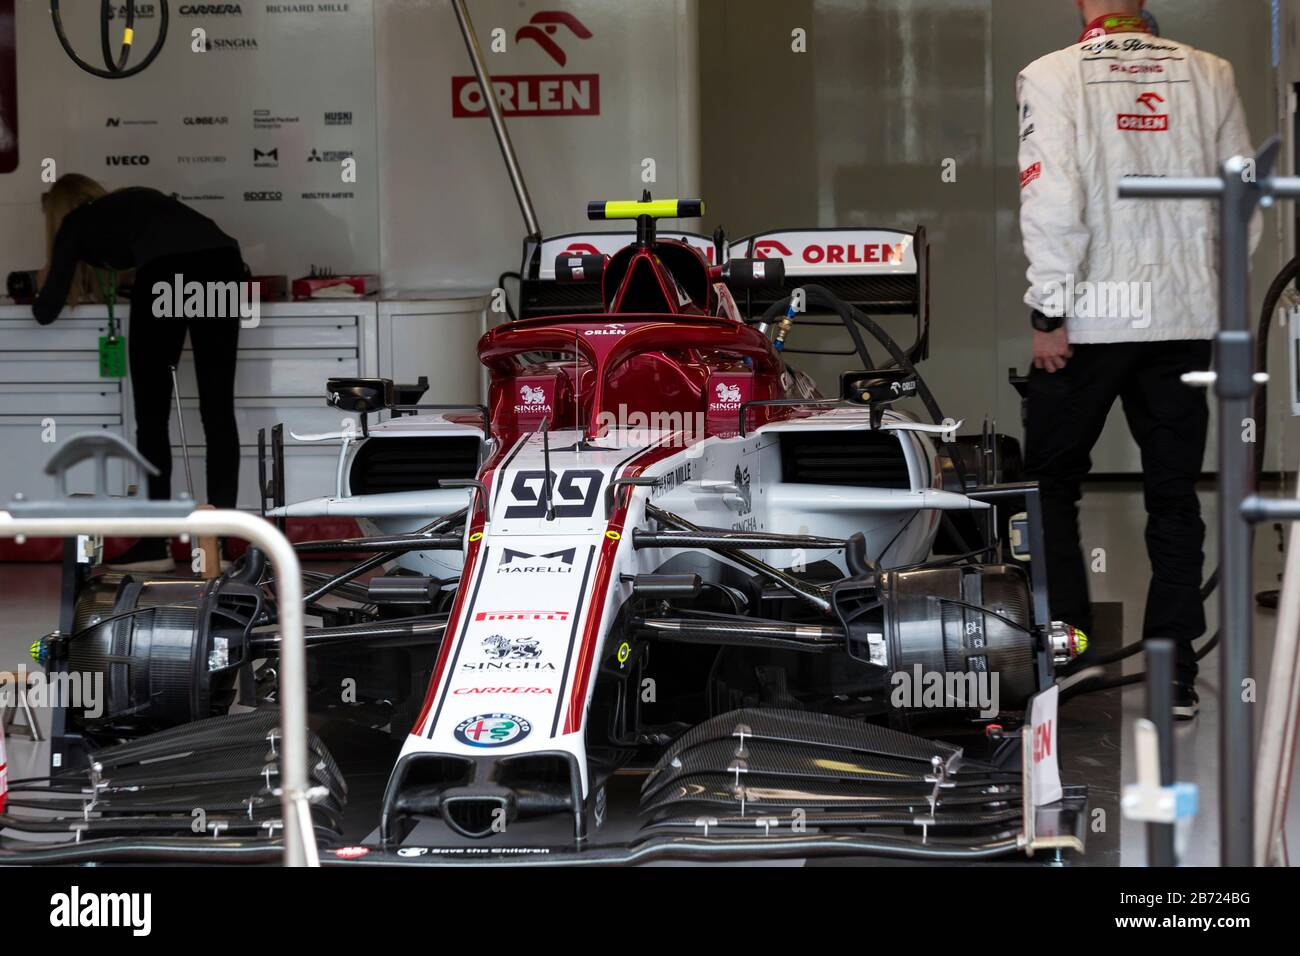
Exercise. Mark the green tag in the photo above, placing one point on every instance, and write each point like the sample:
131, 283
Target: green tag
112, 356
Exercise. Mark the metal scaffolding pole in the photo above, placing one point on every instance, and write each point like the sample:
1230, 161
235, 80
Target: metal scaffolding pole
1243, 186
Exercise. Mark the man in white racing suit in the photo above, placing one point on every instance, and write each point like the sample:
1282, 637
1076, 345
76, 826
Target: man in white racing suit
1123, 293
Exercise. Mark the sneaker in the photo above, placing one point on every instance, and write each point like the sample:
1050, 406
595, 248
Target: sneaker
147, 554
1186, 702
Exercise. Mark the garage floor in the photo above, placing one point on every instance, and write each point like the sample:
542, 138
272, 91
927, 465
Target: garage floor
1096, 743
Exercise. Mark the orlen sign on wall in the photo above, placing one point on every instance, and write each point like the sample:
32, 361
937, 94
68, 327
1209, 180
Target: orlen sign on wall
557, 34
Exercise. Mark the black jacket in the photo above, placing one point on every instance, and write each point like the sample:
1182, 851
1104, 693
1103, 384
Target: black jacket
125, 229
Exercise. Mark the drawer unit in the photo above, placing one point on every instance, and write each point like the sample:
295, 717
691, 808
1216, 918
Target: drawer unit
69, 366
26, 451
57, 399
308, 473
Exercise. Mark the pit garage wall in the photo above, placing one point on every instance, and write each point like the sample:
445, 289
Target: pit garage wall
854, 132
251, 132
449, 219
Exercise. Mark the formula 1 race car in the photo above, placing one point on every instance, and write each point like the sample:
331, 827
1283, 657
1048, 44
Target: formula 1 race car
659, 597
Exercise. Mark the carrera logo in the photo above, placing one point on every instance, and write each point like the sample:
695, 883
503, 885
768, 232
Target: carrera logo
545, 24
522, 616
575, 94
1028, 175
503, 690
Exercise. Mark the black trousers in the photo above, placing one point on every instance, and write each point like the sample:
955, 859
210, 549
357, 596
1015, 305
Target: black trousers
1066, 413
154, 345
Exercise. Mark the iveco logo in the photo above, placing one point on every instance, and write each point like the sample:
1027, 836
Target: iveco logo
140, 160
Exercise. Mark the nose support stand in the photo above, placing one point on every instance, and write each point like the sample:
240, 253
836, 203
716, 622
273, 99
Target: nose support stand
1242, 186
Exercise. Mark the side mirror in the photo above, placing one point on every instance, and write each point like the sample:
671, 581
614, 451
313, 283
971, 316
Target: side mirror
571, 268
753, 273
877, 389
360, 395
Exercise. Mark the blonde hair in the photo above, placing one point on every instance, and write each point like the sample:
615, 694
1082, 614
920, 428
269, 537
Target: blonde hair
70, 191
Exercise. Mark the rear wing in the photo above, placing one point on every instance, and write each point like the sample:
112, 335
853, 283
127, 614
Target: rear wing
880, 271
540, 295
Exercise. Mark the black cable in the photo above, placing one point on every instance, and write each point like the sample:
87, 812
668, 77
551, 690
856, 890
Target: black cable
501, 284
113, 70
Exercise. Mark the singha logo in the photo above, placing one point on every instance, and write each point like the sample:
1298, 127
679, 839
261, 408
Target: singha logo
532, 401
519, 648
728, 393
741, 480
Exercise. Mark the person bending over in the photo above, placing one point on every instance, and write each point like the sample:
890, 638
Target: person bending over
164, 241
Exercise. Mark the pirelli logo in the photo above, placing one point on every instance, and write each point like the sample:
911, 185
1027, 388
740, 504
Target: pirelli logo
1027, 176
1136, 123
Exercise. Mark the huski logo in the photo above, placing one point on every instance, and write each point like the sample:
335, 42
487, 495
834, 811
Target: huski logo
521, 562
519, 648
338, 118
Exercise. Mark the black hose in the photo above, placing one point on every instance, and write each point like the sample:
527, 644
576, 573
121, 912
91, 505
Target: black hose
113, 70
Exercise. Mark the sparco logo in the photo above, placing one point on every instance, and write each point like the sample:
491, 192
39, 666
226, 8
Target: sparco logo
211, 10
206, 120
263, 196
138, 160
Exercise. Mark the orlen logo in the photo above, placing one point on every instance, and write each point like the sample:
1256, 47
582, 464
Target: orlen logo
545, 24
610, 328
1150, 122
571, 94
836, 253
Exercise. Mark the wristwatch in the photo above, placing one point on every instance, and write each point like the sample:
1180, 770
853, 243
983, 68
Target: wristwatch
1046, 323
